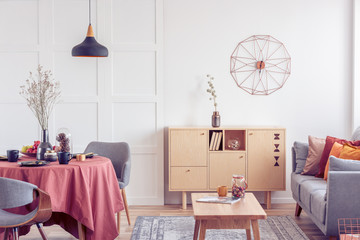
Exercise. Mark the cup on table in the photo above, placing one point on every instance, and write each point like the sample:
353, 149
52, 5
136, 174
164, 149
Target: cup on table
13, 155
222, 191
64, 157
80, 157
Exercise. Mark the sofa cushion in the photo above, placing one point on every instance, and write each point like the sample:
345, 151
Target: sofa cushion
318, 205
297, 180
301, 153
316, 147
350, 152
335, 151
309, 187
337, 164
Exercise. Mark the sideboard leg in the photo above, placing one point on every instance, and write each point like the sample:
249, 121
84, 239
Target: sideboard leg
184, 200
267, 199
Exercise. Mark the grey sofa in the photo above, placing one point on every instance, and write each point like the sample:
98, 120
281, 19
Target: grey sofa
327, 201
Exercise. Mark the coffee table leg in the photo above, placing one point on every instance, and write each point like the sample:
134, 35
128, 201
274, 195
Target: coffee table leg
202, 230
248, 234
196, 230
255, 227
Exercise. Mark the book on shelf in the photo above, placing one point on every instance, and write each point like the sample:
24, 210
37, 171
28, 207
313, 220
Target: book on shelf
216, 199
218, 141
212, 142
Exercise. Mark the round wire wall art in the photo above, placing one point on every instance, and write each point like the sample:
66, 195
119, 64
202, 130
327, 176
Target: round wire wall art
260, 65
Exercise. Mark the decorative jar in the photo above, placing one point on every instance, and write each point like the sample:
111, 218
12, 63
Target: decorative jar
50, 156
233, 143
64, 141
239, 186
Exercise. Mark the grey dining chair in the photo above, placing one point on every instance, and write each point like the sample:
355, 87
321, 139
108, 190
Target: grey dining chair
119, 154
15, 193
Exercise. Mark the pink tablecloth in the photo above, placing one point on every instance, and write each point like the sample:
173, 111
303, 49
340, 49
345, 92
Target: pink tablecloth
85, 191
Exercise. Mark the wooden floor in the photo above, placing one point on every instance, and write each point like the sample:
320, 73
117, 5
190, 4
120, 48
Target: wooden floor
57, 233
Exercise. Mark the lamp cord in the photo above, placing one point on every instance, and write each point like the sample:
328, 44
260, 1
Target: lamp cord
90, 12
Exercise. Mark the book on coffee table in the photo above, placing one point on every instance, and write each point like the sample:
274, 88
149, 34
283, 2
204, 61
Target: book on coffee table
216, 199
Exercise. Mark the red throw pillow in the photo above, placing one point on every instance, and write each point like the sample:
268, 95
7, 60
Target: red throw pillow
325, 154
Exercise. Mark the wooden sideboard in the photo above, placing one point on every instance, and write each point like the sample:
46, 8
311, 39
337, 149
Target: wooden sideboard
201, 159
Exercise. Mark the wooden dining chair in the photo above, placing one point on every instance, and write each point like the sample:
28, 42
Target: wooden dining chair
119, 154
15, 193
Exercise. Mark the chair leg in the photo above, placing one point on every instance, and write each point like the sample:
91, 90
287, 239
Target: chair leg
41, 230
118, 221
126, 205
6, 234
298, 210
16, 233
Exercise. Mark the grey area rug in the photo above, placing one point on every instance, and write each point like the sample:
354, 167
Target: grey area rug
179, 227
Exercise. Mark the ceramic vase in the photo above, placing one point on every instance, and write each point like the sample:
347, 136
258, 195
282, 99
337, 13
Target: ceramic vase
44, 145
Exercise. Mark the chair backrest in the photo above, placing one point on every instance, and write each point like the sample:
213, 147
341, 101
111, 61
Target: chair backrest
118, 153
15, 193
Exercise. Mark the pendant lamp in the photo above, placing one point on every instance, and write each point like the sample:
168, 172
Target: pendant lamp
89, 47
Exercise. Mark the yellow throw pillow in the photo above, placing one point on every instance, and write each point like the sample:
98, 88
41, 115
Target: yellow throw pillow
350, 152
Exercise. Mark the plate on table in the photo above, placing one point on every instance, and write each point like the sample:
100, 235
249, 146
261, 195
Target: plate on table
37, 163
29, 154
3, 158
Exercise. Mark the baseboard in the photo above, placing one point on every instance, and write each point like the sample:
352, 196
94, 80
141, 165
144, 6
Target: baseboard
282, 200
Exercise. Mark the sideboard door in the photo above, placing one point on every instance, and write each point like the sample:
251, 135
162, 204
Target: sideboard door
188, 147
266, 159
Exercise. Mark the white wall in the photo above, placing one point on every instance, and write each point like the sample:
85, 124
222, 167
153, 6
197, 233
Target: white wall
126, 98
200, 36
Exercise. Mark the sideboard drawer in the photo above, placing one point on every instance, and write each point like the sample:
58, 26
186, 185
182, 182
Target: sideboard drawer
188, 178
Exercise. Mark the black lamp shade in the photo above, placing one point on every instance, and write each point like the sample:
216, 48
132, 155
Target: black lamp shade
89, 48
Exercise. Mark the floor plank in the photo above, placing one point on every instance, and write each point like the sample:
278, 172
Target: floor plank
57, 233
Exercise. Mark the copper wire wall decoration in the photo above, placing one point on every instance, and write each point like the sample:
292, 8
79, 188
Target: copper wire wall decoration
260, 65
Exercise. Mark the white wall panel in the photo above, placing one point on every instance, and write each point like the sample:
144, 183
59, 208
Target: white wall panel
19, 22
144, 170
77, 76
71, 19
15, 69
19, 127
80, 119
133, 21
134, 73
135, 123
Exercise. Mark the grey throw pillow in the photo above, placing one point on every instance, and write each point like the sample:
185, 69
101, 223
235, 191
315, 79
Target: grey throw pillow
301, 151
338, 164
356, 134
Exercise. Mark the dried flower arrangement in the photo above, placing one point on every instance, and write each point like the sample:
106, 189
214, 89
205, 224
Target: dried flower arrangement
41, 92
64, 143
211, 90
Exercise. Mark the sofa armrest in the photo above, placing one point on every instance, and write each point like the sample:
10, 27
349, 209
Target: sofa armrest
343, 198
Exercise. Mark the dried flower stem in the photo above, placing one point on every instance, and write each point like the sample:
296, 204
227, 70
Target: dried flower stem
211, 90
41, 94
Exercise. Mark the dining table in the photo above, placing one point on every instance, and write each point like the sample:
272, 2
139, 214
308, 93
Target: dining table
85, 195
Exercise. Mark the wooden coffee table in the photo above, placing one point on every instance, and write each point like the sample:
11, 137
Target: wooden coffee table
238, 215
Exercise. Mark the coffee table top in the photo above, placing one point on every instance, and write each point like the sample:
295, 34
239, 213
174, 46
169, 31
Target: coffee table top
247, 208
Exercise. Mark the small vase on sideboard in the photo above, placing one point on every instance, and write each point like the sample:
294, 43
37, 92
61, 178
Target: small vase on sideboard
215, 119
